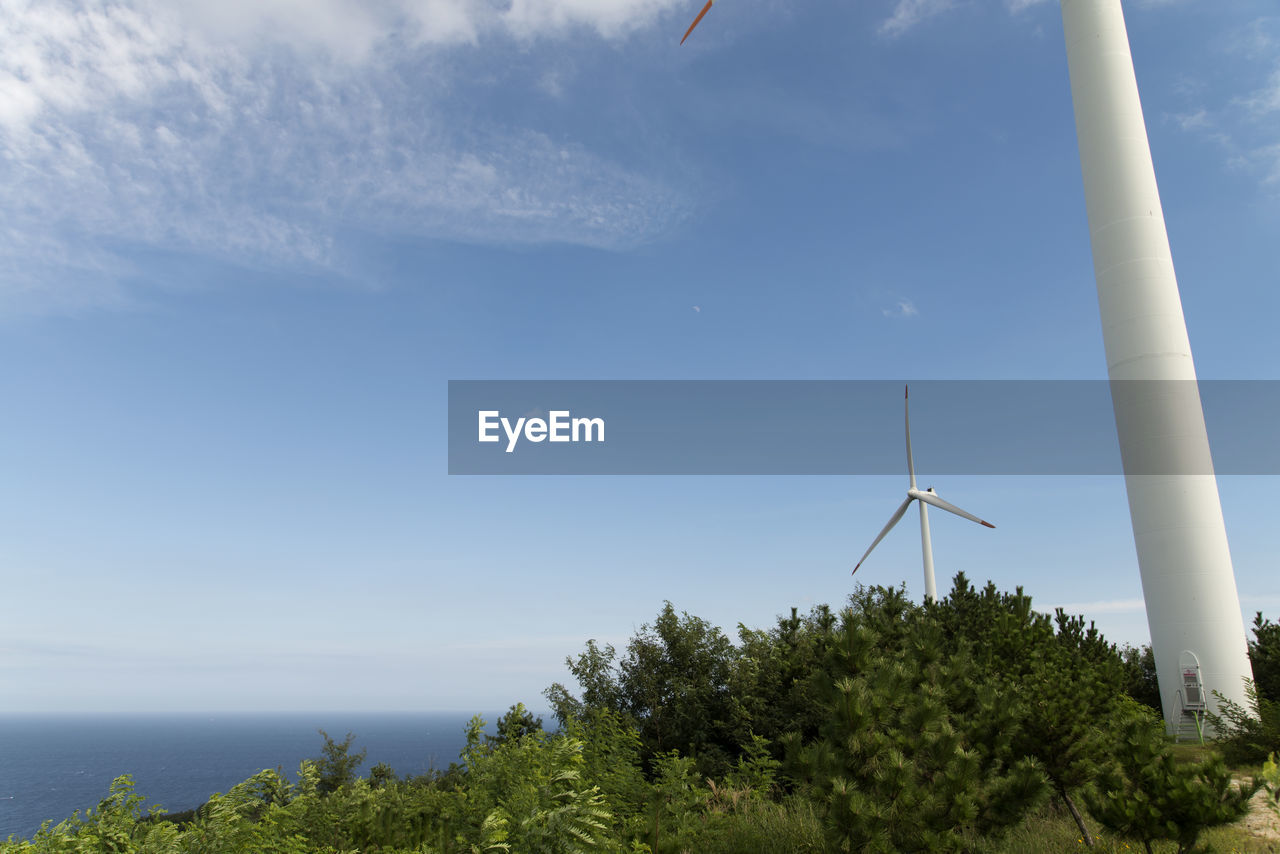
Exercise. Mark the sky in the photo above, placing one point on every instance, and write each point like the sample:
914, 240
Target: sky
245, 246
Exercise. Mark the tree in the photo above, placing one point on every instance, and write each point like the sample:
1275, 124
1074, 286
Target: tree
1264, 655
381, 775
1246, 735
1140, 675
337, 764
1060, 676
1271, 782
1146, 794
529, 795
674, 683
771, 685
1064, 704
596, 673
915, 753
517, 723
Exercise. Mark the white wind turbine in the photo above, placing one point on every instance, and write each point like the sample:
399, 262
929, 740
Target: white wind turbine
925, 497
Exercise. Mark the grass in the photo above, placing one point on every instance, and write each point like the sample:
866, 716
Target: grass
1050, 831
763, 827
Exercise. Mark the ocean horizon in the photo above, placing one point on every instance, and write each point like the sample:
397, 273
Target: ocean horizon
53, 765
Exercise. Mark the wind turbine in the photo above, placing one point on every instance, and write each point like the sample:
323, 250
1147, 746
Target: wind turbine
1184, 559
925, 497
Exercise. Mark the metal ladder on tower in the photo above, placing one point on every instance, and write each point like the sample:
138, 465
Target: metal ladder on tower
1192, 702
1190, 727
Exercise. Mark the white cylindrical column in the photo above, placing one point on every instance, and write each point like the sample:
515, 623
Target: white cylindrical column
926, 547
1183, 556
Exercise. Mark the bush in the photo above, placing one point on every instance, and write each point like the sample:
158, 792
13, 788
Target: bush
915, 753
1147, 795
1264, 655
1246, 736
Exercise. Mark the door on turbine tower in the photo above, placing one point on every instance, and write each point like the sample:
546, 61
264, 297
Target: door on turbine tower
1192, 689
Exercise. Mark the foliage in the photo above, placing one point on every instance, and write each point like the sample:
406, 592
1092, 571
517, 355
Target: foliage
757, 771
1271, 782
1147, 795
1051, 830
673, 683
915, 754
903, 727
763, 827
532, 789
336, 764
381, 775
678, 801
596, 673
772, 687
1140, 675
1059, 676
515, 724
1246, 736
1264, 655
611, 761
113, 828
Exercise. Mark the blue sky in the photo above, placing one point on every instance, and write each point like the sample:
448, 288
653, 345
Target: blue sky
244, 246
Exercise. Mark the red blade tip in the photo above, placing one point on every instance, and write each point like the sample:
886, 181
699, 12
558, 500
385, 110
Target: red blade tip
696, 20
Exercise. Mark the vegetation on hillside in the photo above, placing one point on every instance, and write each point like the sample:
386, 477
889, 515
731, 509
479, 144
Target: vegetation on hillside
971, 724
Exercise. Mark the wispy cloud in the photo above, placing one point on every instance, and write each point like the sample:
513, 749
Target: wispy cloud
268, 132
1265, 100
1193, 121
901, 308
909, 13
1246, 126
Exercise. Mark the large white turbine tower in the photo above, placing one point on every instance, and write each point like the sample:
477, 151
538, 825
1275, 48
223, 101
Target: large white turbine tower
925, 497
1193, 610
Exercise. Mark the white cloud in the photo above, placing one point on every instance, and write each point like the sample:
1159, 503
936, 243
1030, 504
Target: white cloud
352, 30
1193, 121
1265, 100
1267, 159
1016, 6
264, 132
908, 13
1246, 127
901, 308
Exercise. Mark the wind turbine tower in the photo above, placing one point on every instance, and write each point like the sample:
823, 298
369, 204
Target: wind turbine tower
1193, 609
925, 497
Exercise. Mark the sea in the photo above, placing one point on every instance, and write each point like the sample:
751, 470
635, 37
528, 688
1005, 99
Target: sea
52, 766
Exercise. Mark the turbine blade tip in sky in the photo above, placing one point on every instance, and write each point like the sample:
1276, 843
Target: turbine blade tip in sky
988, 524
697, 19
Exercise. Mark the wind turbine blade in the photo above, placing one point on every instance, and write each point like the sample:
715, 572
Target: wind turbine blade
887, 528
696, 20
906, 409
930, 498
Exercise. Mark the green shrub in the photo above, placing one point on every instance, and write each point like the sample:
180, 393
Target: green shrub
1246, 736
1147, 795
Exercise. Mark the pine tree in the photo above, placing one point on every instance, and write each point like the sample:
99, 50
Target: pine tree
1146, 794
915, 753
